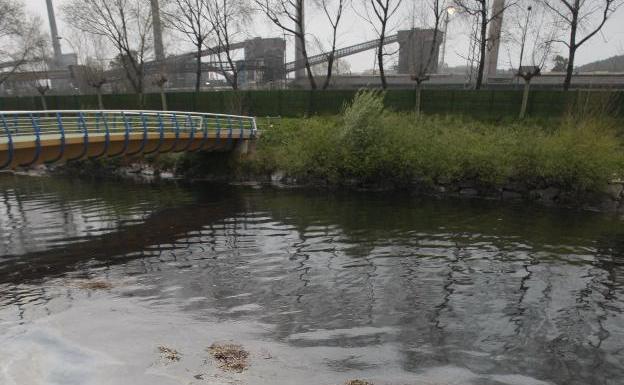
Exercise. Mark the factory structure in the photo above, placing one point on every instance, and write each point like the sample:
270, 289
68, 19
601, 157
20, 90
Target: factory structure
262, 63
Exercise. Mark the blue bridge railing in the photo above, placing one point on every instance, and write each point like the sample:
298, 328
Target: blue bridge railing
37, 126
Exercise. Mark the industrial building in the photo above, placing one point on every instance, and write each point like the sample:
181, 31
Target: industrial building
263, 65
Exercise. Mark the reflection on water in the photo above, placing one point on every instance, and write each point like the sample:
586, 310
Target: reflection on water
330, 286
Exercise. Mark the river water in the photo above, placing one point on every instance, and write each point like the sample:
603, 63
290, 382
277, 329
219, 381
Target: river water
319, 287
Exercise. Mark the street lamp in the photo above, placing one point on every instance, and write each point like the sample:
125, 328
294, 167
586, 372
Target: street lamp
524, 34
450, 11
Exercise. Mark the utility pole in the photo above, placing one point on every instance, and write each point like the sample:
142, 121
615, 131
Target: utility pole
56, 44
300, 28
159, 50
494, 38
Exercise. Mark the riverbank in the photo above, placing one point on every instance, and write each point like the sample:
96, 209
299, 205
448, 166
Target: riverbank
576, 161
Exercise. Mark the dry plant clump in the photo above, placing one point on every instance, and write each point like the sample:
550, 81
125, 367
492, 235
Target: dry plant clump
94, 285
358, 382
230, 356
169, 354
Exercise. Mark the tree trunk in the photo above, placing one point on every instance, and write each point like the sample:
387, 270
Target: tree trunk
304, 50
235, 80
198, 69
332, 56
482, 48
330, 65
382, 74
571, 52
163, 99
417, 105
44, 104
525, 98
99, 98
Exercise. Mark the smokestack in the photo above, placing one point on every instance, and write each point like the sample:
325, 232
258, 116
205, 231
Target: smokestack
494, 37
159, 50
56, 44
300, 73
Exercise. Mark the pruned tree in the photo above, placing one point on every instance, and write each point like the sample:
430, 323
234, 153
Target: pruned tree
192, 19
228, 19
333, 10
159, 81
95, 76
578, 16
91, 73
560, 64
20, 37
379, 14
288, 15
532, 34
422, 65
39, 72
483, 15
126, 24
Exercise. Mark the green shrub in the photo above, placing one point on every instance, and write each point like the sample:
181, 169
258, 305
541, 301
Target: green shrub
372, 145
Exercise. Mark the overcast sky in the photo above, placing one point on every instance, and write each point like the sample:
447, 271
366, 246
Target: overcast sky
354, 30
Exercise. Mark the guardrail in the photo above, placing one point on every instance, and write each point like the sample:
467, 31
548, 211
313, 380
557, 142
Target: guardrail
35, 126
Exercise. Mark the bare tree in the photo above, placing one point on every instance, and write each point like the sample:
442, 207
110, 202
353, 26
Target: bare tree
39, 72
333, 10
534, 35
422, 65
578, 16
379, 14
126, 24
20, 36
191, 18
91, 52
159, 81
95, 76
284, 12
483, 17
228, 18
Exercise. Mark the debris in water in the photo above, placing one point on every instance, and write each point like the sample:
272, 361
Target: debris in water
266, 354
358, 382
230, 356
169, 354
94, 285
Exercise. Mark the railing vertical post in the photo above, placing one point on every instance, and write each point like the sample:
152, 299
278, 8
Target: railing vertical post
101, 115
204, 124
242, 128
126, 134
174, 117
59, 123
37, 130
7, 131
229, 123
144, 140
191, 134
161, 134
85, 135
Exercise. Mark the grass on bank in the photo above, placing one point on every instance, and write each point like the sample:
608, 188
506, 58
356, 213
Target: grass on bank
372, 145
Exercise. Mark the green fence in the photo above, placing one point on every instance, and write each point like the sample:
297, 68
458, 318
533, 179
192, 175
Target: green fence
484, 104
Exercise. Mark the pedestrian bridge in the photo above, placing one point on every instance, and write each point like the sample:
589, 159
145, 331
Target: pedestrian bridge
29, 138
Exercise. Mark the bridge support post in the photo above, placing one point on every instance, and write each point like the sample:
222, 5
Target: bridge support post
242, 147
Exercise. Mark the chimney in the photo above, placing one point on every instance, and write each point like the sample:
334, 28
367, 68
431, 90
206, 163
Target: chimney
494, 37
56, 44
159, 50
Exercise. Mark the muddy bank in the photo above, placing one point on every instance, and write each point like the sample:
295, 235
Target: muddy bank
610, 199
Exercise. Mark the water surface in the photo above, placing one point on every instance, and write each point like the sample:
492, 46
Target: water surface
319, 287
